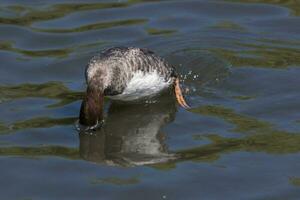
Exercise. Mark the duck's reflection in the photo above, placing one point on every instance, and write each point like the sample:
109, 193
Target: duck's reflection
131, 134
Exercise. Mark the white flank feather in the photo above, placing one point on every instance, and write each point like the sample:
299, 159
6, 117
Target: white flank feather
142, 85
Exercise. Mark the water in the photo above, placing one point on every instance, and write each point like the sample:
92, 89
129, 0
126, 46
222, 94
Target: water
239, 61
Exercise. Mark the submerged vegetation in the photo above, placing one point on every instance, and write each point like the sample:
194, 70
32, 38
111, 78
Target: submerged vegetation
293, 5
295, 181
38, 122
29, 152
28, 15
154, 31
266, 55
47, 53
50, 90
243, 124
8, 46
261, 137
96, 26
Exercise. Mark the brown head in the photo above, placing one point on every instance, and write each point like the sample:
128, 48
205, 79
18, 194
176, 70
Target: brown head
98, 76
91, 111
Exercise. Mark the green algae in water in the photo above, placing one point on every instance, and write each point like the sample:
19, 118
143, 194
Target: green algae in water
278, 142
263, 139
295, 181
59, 151
244, 97
262, 56
293, 5
243, 123
8, 46
38, 122
3, 128
154, 31
96, 26
49, 90
228, 25
48, 53
56, 11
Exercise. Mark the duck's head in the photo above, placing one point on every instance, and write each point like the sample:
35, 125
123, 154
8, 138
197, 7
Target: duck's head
91, 111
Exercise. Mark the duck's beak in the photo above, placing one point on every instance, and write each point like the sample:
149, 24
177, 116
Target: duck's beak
91, 111
179, 96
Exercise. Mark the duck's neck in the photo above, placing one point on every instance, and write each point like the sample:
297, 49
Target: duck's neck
91, 111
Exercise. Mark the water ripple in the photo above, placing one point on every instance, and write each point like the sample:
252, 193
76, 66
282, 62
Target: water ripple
96, 26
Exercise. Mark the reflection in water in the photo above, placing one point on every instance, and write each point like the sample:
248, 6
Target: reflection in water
96, 26
50, 90
292, 5
272, 54
37, 122
55, 11
131, 134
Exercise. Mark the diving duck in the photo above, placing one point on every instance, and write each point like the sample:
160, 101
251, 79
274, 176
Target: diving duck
125, 74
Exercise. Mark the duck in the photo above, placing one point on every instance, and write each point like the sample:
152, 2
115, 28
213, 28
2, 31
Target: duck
125, 74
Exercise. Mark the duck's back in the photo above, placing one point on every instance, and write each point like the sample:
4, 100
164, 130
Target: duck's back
128, 73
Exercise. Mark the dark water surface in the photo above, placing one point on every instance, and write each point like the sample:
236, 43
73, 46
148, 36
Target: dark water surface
239, 61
